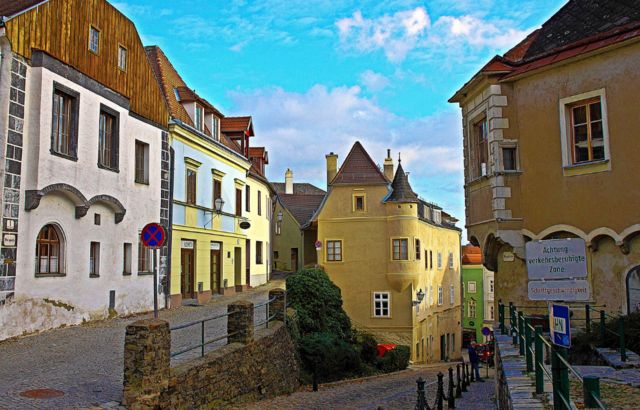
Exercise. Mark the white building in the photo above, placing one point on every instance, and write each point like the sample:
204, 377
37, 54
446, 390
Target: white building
86, 157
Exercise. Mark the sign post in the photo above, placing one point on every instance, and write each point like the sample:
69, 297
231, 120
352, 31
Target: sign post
153, 237
559, 325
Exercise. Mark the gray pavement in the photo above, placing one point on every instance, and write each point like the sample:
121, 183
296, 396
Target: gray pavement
85, 362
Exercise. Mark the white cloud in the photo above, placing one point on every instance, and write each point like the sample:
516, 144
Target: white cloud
409, 31
298, 129
374, 81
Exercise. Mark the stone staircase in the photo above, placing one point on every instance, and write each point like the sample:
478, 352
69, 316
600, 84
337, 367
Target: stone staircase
612, 358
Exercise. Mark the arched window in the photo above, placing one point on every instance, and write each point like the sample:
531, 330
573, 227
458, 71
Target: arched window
48, 251
633, 290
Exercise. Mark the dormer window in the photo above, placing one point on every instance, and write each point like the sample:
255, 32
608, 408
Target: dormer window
199, 113
216, 128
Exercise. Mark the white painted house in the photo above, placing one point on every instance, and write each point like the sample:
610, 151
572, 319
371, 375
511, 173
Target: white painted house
86, 166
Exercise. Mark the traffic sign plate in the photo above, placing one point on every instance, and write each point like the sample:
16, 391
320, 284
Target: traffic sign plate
318, 244
559, 325
152, 235
486, 331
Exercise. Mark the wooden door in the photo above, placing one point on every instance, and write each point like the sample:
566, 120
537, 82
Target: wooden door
188, 273
216, 272
294, 259
248, 261
237, 260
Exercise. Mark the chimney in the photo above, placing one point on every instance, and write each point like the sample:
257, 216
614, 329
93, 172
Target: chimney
388, 166
332, 167
288, 182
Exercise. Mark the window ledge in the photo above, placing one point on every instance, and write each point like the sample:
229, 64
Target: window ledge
145, 273
141, 183
512, 172
65, 156
116, 170
126, 273
482, 181
94, 276
50, 275
588, 168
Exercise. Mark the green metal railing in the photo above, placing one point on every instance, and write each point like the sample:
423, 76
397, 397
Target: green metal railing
268, 318
603, 316
202, 341
531, 346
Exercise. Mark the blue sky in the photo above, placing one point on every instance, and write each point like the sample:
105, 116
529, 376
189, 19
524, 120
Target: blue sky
318, 75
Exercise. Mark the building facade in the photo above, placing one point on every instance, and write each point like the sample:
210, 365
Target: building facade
383, 246
550, 153
85, 149
479, 304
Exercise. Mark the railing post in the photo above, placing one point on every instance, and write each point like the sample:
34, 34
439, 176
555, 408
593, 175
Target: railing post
560, 377
587, 317
591, 384
512, 321
279, 306
268, 315
440, 392
473, 374
240, 322
602, 322
623, 347
521, 332
464, 377
458, 386
450, 397
501, 315
422, 400
539, 360
527, 336
202, 339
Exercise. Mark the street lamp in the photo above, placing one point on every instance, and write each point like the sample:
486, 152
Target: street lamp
218, 204
419, 296
280, 216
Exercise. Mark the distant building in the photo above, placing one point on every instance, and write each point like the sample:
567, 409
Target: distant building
296, 202
478, 304
385, 247
551, 150
86, 165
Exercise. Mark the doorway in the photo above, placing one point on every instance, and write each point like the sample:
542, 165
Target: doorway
294, 259
216, 271
248, 261
237, 261
443, 347
188, 273
633, 290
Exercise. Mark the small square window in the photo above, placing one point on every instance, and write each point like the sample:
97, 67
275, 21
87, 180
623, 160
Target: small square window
381, 304
400, 249
96, 219
509, 159
94, 39
334, 251
122, 58
472, 287
359, 204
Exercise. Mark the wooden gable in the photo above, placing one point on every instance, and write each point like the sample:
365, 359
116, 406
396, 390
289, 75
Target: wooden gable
61, 28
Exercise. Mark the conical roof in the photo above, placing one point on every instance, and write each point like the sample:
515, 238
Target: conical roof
402, 191
359, 168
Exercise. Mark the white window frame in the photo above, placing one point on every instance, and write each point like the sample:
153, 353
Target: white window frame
440, 295
567, 138
430, 295
439, 260
471, 304
379, 301
472, 287
450, 260
491, 314
492, 286
452, 296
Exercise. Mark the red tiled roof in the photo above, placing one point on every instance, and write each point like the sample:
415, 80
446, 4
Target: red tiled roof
255, 169
302, 207
228, 124
170, 82
359, 168
256, 152
472, 259
10, 8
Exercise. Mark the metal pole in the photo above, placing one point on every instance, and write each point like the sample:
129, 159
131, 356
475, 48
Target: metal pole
450, 397
539, 360
315, 374
155, 283
527, 336
202, 339
623, 347
521, 332
587, 316
422, 400
464, 378
267, 305
564, 374
501, 315
602, 321
591, 384
458, 386
555, 373
512, 320
473, 377
440, 393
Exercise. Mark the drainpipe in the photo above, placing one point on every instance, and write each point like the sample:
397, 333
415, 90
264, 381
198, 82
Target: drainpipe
170, 226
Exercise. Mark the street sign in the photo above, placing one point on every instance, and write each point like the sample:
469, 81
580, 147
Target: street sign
559, 325
318, 245
486, 331
565, 290
556, 259
153, 236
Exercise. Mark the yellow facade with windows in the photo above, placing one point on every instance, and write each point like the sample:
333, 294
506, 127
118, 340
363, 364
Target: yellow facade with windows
381, 253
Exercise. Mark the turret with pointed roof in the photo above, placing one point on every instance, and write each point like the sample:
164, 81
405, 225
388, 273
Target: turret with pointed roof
402, 191
359, 168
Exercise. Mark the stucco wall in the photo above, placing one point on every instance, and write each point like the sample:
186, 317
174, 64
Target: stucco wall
260, 230
289, 238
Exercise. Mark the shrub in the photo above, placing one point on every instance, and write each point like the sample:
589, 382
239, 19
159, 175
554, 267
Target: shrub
336, 358
318, 302
366, 345
395, 360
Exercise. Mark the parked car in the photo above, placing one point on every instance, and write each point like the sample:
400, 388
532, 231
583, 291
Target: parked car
484, 353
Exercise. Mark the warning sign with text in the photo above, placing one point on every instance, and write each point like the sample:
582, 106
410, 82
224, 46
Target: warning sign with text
556, 259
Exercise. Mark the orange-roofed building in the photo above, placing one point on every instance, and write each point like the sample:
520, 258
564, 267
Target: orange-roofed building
478, 300
551, 153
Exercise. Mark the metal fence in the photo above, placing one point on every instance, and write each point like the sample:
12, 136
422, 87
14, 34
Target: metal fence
531, 346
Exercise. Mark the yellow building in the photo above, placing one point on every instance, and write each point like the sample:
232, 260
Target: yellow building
383, 245
211, 195
551, 152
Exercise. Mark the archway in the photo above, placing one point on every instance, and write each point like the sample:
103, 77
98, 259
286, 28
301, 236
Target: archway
633, 290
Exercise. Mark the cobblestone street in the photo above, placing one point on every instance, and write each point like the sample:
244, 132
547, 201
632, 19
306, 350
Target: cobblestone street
85, 362
393, 392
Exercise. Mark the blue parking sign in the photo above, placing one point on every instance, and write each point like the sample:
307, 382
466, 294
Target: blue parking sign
559, 325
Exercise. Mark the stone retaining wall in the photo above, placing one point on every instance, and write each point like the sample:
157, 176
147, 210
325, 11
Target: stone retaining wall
262, 366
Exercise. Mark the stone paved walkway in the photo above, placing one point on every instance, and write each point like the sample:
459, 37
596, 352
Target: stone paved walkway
85, 362
390, 392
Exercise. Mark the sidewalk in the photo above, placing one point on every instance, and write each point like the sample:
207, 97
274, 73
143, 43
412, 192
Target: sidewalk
85, 363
